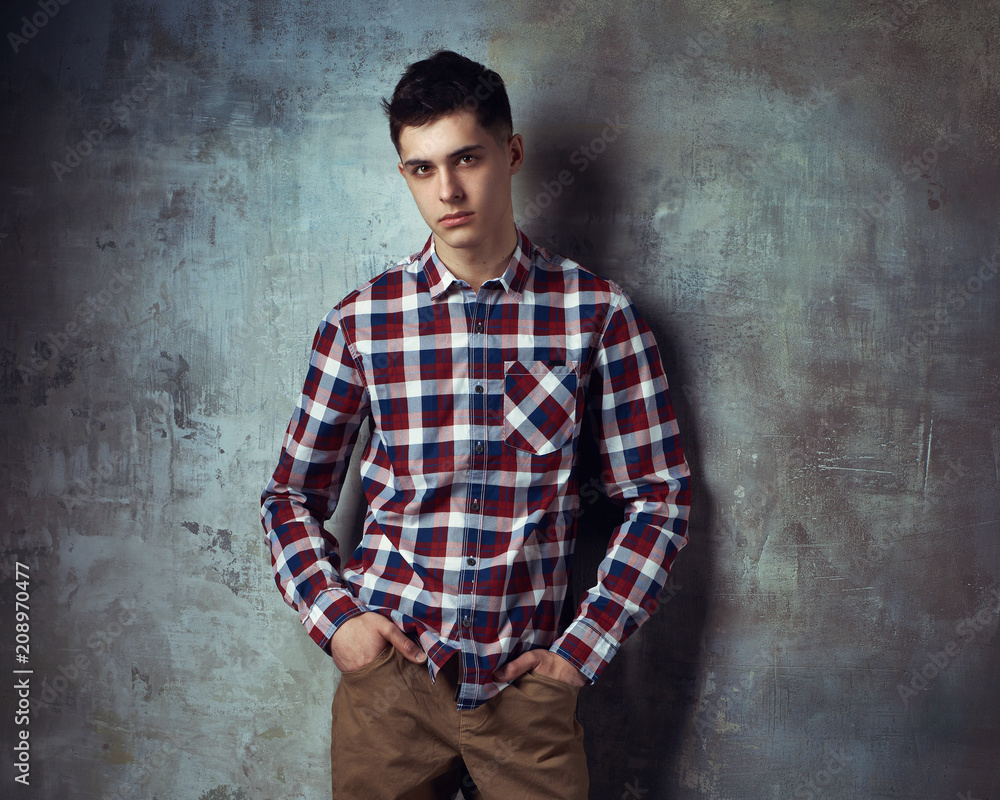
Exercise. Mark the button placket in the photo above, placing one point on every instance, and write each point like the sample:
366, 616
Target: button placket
476, 481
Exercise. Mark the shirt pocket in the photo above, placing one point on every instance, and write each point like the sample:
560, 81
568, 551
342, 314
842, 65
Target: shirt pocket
539, 405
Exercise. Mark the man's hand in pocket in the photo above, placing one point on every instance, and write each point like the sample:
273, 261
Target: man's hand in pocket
357, 642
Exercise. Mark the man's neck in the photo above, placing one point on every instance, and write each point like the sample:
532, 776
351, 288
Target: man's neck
477, 266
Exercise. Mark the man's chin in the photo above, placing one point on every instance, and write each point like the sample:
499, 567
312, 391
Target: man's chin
460, 238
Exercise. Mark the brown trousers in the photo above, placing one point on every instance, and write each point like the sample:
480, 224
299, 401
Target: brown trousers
397, 736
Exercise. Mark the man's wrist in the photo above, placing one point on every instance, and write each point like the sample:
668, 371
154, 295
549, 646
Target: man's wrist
570, 673
331, 610
584, 647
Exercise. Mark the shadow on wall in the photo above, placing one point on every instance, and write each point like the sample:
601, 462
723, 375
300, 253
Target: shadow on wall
636, 716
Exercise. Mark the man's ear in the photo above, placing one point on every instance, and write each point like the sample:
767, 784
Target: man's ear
402, 170
515, 150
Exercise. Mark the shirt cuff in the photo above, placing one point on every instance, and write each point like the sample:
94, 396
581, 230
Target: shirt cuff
587, 647
332, 609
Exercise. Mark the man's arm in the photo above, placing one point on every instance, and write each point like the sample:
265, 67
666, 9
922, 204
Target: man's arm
305, 487
643, 468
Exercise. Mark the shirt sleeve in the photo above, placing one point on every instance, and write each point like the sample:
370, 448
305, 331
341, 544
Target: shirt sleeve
644, 469
305, 488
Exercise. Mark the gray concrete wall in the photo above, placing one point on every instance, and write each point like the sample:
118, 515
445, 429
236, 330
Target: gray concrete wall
800, 197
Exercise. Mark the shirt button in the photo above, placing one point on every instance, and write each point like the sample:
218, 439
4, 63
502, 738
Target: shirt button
465, 621
475, 505
479, 327
479, 447
471, 561
479, 388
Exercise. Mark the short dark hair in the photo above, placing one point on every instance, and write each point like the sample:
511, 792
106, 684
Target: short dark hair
444, 83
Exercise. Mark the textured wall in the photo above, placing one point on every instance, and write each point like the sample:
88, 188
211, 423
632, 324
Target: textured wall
802, 199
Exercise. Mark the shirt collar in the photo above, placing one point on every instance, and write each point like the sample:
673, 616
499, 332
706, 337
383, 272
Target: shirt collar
514, 277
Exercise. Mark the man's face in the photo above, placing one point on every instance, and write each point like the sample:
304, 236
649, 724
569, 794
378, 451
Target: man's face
459, 176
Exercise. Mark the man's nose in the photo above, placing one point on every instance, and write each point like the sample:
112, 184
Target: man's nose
451, 188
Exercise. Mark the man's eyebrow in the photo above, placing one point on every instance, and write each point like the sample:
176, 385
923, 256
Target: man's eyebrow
417, 162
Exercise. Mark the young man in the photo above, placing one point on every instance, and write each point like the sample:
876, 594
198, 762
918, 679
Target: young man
476, 360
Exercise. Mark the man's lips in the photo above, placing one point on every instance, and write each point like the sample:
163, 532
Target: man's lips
458, 218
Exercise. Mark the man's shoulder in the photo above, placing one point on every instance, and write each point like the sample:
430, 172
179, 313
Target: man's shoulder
391, 281
553, 269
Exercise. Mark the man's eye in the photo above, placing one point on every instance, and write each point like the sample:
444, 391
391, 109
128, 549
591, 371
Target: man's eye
468, 159
420, 170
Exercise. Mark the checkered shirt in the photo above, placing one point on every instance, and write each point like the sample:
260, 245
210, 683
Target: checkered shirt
470, 474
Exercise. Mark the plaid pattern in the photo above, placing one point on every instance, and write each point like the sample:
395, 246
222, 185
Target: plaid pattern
539, 405
477, 402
